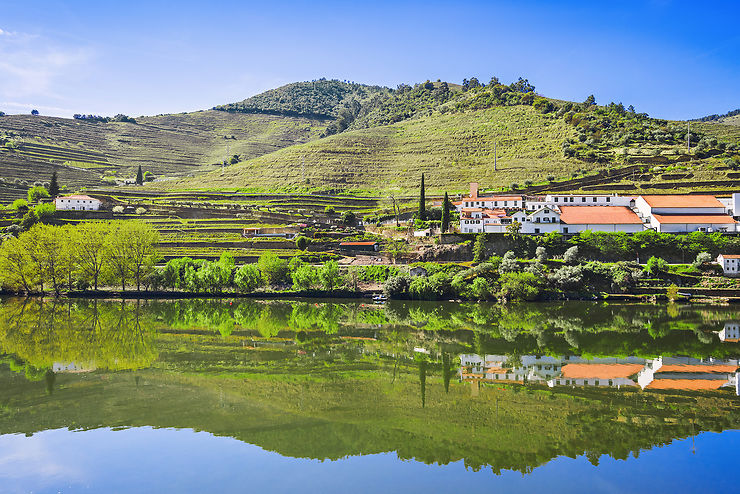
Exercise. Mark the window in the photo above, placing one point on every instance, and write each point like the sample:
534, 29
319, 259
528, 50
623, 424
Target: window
594, 199
565, 230
583, 199
608, 199
571, 199
556, 199
537, 230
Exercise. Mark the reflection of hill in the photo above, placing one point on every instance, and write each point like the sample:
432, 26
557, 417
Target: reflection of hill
302, 417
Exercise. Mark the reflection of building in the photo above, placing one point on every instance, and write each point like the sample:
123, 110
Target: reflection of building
650, 374
71, 367
730, 333
687, 374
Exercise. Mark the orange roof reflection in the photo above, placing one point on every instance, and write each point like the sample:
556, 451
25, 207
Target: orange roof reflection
686, 384
724, 368
600, 371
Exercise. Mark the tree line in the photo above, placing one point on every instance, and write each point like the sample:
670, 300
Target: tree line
51, 258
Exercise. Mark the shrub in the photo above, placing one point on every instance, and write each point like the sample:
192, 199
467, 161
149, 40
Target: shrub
118, 209
37, 192
329, 210
571, 255
672, 292
20, 205
45, 212
140, 210
540, 253
509, 263
702, 258
655, 265
301, 242
396, 286
480, 289
435, 287
28, 220
568, 277
519, 286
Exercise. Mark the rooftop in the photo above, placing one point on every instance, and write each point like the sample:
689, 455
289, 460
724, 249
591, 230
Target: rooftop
721, 368
683, 201
694, 219
730, 256
686, 384
358, 243
78, 197
600, 371
582, 215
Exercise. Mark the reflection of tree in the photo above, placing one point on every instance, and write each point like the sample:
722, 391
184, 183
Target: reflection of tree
446, 371
92, 334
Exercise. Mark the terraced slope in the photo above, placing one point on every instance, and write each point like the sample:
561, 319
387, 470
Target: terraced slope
172, 145
451, 149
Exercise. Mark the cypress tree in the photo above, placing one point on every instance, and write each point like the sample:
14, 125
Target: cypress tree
422, 200
139, 177
445, 214
53, 185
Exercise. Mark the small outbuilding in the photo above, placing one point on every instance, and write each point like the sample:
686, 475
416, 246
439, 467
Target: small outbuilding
361, 246
730, 264
77, 203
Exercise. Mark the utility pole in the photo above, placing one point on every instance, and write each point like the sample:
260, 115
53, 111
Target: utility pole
495, 155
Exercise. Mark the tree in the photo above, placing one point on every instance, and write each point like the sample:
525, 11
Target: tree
34, 112
509, 264
422, 200
142, 240
139, 177
15, 265
396, 286
301, 242
519, 286
540, 253
479, 248
590, 101
446, 206
329, 275
90, 241
37, 192
248, 278
305, 277
274, 270
53, 185
571, 255
702, 258
655, 265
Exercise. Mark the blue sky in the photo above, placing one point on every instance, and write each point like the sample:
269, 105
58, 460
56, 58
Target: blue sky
671, 59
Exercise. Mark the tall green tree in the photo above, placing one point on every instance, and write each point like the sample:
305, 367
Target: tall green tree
445, 213
422, 200
54, 185
139, 177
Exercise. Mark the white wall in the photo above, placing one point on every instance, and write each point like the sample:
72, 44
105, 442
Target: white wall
62, 203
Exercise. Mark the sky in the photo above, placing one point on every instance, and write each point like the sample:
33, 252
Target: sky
671, 59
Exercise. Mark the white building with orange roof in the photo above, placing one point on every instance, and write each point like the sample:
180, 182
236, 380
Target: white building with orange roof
688, 374
685, 213
77, 203
730, 333
474, 200
730, 264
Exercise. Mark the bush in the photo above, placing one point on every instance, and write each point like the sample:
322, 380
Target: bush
140, 210
509, 263
397, 286
329, 210
568, 277
29, 219
480, 289
702, 258
118, 209
301, 242
519, 286
248, 278
37, 192
45, 212
571, 255
540, 253
348, 218
672, 292
20, 205
435, 287
274, 270
305, 277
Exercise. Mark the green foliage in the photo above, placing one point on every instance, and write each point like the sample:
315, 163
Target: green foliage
435, 287
329, 210
305, 277
672, 292
329, 276
479, 248
44, 212
422, 212
29, 219
397, 286
53, 185
139, 176
519, 286
301, 242
509, 263
446, 207
348, 218
655, 265
274, 270
378, 274
19, 205
568, 277
248, 278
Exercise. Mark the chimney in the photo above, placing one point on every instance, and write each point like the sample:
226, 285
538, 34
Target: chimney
474, 190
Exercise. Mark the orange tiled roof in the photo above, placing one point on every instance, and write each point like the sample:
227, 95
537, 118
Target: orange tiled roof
720, 368
78, 197
358, 243
682, 201
730, 256
693, 219
600, 371
581, 215
493, 198
687, 384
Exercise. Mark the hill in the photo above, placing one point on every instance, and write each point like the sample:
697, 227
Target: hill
85, 152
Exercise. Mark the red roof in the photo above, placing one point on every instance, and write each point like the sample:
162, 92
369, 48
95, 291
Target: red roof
694, 219
600, 371
78, 198
493, 198
683, 201
599, 215
358, 243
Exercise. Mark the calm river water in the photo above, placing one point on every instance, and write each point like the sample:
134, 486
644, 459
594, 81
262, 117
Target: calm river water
338, 396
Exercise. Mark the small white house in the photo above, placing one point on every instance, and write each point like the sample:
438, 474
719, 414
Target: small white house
730, 332
77, 203
730, 264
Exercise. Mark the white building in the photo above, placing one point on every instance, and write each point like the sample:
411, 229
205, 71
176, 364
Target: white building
542, 220
488, 202
576, 219
685, 213
588, 200
77, 203
730, 264
730, 333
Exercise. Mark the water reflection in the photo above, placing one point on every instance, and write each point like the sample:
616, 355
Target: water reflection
497, 387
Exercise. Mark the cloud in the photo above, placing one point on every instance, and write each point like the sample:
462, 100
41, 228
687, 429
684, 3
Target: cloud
33, 67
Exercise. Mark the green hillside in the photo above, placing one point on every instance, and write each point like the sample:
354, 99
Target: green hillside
83, 152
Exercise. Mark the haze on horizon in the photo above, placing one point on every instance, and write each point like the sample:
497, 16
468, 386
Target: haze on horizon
671, 59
